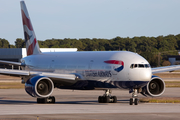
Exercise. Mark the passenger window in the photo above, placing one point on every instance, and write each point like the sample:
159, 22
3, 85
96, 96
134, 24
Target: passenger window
141, 66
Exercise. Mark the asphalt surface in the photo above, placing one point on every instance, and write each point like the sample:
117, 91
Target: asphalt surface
74, 105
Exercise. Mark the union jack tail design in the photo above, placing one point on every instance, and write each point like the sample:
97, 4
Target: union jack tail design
32, 46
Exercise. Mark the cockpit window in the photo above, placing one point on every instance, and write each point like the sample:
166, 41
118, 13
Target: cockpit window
135, 65
147, 65
132, 65
139, 66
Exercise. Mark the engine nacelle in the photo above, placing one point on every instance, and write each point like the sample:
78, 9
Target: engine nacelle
39, 86
155, 87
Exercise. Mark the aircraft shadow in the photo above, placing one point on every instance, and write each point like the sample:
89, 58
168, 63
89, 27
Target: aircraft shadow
16, 102
94, 102
88, 102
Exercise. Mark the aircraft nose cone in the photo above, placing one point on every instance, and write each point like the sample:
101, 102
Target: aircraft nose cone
145, 75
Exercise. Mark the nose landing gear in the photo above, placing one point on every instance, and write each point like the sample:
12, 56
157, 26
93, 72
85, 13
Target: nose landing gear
134, 98
107, 98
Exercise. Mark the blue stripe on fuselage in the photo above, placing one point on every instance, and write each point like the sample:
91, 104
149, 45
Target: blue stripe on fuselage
91, 85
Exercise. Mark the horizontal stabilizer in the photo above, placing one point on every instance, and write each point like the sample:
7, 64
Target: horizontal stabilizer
10, 63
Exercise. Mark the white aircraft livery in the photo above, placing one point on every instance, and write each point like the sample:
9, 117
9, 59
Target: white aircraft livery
103, 70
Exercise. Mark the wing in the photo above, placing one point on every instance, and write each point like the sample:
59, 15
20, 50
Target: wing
29, 73
165, 69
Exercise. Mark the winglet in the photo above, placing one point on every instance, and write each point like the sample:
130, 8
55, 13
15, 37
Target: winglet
32, 46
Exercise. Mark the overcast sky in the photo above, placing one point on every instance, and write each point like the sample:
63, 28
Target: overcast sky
91, 18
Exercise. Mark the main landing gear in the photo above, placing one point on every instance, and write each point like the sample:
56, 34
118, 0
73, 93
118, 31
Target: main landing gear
50, 99
134, 98
107, 98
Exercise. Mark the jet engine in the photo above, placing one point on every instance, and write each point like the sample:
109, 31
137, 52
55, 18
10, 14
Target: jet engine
39, 86
155, 87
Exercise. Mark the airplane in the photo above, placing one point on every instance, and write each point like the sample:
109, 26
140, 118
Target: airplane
90, 70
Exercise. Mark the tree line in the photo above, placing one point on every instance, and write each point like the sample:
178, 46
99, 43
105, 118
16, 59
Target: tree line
151, 48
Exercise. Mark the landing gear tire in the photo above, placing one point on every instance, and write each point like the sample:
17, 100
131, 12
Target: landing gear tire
100, 99
41, 100
114, 99
131, 101
103, 99
107, 98
136, 101
50, 99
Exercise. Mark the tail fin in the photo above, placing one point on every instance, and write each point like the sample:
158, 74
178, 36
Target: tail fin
32, 46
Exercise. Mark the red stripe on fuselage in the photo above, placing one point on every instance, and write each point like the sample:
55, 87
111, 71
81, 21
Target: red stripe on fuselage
26, 21
115, 62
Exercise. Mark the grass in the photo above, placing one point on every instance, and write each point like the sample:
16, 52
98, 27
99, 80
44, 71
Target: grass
160, 100
172, 83
11, 85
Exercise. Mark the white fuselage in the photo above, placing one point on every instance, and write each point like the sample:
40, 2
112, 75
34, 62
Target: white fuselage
91, 65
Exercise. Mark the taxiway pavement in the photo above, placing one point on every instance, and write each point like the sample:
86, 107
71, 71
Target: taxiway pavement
74, 105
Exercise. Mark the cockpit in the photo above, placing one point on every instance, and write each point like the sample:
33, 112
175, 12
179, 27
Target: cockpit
139, 66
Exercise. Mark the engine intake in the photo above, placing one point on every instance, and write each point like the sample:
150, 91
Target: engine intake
39, 86
155, 87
